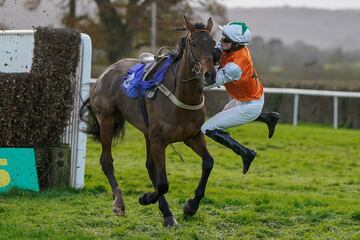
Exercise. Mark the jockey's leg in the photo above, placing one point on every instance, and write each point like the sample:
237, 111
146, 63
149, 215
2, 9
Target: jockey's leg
225, 139
234, 114
271, 119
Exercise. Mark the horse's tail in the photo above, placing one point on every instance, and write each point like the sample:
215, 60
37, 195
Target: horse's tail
93, 127
88, 117
119, 127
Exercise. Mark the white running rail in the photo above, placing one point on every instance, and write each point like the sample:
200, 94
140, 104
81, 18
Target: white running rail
306, 92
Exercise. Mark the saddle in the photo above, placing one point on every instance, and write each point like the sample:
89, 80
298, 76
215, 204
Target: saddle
152, 64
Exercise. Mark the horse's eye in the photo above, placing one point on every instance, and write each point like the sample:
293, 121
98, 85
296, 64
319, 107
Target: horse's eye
193, 44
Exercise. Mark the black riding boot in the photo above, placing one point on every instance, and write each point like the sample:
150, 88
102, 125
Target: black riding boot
225, 139
270, 119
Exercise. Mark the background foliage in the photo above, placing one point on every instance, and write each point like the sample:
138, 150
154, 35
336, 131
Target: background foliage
121, 28
305, 66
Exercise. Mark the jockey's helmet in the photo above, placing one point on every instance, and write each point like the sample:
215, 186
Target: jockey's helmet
237, 31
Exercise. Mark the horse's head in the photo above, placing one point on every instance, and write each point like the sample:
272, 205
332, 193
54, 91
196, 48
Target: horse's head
199, 48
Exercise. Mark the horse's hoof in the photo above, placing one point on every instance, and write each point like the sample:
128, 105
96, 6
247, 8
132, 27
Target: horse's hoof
118, 204
143, 200
146, 199
119, 211
188, 210
170, 221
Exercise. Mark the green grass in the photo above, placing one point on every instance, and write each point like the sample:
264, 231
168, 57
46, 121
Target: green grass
304, 184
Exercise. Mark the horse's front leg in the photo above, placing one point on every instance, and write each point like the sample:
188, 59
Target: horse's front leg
157, 153
198, 145
169, 219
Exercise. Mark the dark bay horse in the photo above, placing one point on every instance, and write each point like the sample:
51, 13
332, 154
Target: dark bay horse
108, 107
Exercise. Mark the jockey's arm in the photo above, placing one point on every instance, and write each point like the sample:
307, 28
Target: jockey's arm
228, 73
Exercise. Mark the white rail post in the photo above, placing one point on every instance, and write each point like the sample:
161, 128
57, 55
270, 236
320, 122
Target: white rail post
296, 109
336, 103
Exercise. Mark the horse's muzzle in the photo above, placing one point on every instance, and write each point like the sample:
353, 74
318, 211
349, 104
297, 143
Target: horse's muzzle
209, 77
208, 72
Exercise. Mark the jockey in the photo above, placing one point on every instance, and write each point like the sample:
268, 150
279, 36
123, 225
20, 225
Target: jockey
237, 73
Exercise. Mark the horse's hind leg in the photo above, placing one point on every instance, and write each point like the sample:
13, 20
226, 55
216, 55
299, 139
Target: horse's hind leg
198, 145
169, 219
106, 161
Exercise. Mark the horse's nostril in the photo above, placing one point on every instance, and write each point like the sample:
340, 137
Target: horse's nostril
209, 77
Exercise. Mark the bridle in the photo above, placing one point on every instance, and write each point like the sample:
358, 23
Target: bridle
196, 70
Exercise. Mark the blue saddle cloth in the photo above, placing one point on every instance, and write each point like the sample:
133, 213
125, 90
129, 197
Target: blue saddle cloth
134, 85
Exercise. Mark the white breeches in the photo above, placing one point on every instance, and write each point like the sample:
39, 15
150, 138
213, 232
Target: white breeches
235, 113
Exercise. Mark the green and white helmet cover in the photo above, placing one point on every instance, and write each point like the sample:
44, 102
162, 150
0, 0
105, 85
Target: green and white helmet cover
237, 31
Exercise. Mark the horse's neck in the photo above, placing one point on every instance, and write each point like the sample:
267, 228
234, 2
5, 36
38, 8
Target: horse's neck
187, 90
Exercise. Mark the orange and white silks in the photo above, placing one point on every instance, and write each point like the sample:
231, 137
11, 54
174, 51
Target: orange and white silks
248, 87
247, 93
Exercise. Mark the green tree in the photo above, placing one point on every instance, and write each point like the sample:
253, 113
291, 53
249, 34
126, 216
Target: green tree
116, 31
122, 26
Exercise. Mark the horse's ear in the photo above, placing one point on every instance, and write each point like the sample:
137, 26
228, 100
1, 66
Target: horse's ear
209, 24
189, 25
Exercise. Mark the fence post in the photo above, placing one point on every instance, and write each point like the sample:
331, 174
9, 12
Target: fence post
296, 109
336, 103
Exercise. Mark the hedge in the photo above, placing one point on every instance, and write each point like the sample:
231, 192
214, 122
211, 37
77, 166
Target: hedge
35, 107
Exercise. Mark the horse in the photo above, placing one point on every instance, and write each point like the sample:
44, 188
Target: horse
175, 116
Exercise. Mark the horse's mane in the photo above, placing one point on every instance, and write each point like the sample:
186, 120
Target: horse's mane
199, 26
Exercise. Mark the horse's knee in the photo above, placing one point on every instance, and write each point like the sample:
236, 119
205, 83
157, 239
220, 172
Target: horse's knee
149, 165
106, 164
107, 168
208, 162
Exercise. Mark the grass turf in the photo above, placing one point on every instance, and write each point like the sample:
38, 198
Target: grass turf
303, 184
